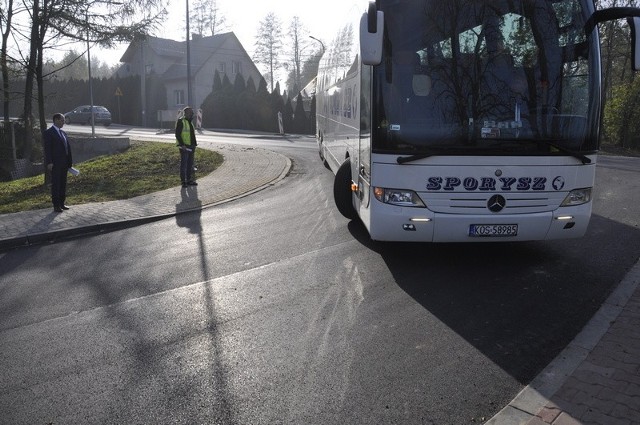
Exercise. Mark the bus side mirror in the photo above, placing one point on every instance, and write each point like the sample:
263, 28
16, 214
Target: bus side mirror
371, 34
634, 24
633, 18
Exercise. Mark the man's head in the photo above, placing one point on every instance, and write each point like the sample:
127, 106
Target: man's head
188, 112
58, 120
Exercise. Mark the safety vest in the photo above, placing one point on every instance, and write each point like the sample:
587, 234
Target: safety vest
186, 132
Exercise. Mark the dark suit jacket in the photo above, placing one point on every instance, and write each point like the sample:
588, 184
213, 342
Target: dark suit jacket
54, 150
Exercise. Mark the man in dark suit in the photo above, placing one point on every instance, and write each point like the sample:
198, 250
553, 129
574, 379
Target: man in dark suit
57, 156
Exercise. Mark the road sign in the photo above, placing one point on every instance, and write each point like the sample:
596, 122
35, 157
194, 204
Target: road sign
118, 92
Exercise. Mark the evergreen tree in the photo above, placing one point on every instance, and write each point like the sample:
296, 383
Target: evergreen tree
227, 104
263, 107
312, 116
247, 106
239, 85
217, 82
287, 116
210, 105
277, 105
238, 98
251, 85
300, 122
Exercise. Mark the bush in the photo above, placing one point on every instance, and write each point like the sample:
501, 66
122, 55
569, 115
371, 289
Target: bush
621, 123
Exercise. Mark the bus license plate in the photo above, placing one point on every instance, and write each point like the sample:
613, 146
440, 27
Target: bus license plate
493, 230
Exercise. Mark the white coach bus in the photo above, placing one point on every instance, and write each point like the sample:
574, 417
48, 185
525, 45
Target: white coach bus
465, 120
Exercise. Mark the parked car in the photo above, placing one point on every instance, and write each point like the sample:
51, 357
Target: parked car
82, 115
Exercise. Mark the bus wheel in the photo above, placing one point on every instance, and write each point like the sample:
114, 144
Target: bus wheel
342, 191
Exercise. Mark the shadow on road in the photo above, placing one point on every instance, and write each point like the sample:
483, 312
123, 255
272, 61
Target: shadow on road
519, 304
192, 221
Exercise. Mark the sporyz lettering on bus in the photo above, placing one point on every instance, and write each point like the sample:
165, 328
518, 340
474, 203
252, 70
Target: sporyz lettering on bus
487, 184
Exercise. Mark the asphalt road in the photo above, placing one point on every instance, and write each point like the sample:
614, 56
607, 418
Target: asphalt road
274, 309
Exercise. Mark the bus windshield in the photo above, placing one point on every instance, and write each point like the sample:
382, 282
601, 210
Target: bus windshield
516, 77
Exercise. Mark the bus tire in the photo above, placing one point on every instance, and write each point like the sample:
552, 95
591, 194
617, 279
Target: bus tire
342, 194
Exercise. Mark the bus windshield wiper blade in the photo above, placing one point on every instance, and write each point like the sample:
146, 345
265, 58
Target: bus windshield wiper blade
431, 151
583, 158
513, 143
404, 159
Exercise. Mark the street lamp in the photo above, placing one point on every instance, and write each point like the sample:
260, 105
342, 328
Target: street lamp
319, 41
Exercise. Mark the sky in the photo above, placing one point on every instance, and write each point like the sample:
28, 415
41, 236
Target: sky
243, 17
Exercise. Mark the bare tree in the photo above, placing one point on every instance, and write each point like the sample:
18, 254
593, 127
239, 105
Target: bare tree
74, 65
207, 18
619, 87
38, 28
92, 21
269, 45
616, 52
298, 35
6, 18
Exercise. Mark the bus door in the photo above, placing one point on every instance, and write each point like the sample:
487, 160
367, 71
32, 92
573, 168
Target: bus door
364, 147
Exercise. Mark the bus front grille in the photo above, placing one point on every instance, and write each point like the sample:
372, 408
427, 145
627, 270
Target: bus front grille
485, 203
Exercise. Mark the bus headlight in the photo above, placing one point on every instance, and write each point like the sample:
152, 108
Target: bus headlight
400, 197
577, 197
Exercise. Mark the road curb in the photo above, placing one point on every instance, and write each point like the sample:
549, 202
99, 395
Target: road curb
537, 395
50, 236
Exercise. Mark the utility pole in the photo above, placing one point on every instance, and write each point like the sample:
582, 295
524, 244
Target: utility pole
93, 113
143, 82
189, 91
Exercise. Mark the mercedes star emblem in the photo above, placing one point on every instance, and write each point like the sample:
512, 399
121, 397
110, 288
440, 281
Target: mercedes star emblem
496, 203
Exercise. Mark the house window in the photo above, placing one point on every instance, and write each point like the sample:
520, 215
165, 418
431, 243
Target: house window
236, 68
179, 95
222, 67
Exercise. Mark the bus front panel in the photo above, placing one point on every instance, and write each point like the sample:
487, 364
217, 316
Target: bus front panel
470, 200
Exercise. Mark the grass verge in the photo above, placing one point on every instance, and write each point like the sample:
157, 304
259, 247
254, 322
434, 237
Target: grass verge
145, 167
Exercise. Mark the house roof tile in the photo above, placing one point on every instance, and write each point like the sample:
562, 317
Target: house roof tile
201, 50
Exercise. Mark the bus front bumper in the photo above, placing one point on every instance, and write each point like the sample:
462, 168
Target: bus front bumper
391, 223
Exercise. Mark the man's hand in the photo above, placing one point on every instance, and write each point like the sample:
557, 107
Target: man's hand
50, 166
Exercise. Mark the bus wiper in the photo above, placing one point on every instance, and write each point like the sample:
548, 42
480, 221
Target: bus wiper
404, 159
583, 158
434, 150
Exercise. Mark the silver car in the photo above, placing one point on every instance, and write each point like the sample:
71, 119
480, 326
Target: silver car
82, 115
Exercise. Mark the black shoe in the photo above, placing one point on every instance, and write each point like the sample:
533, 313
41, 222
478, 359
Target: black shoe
192, 183
64, 207
57, 209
